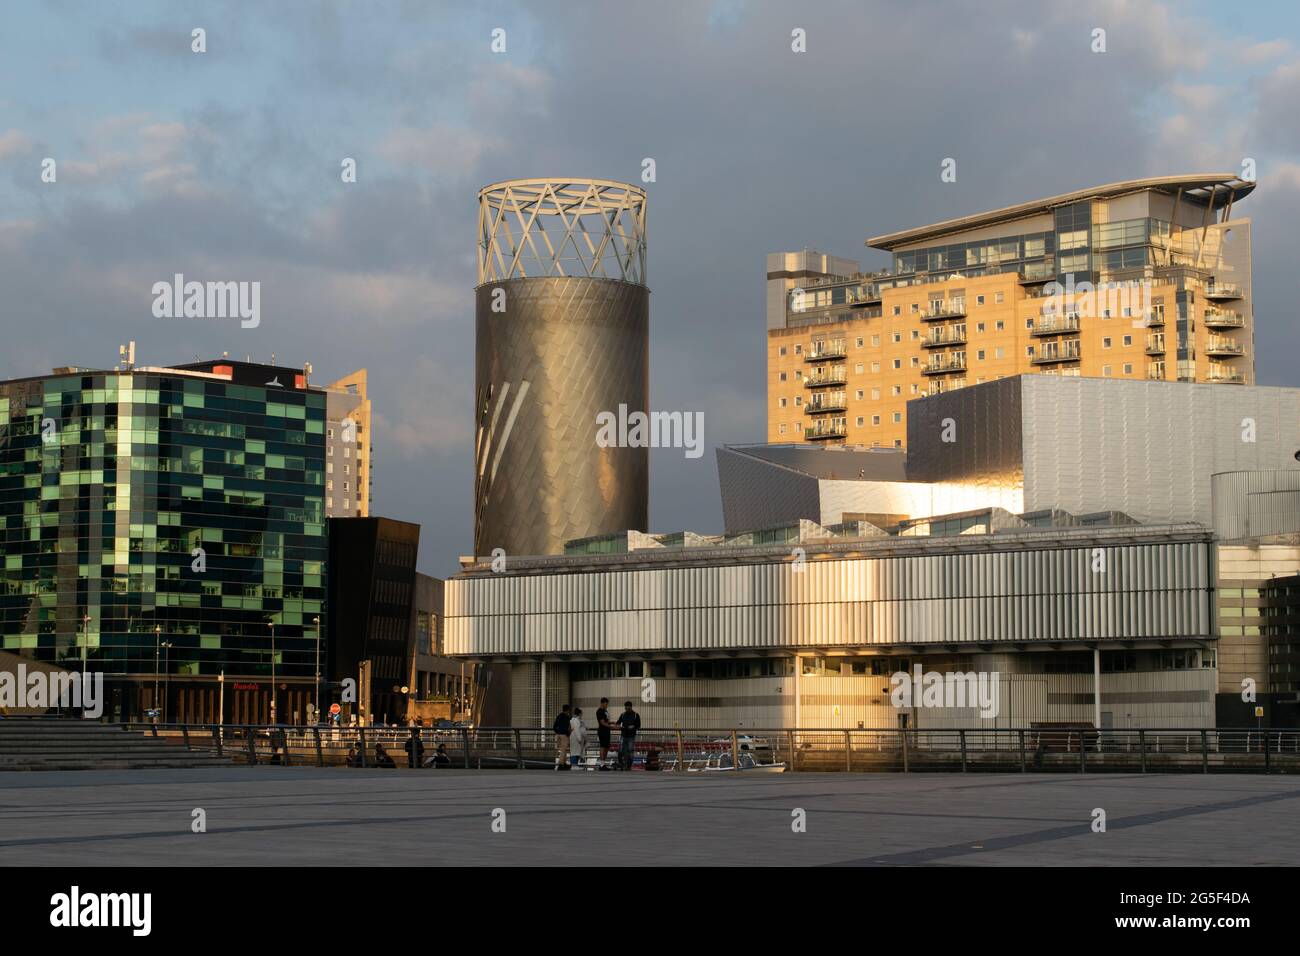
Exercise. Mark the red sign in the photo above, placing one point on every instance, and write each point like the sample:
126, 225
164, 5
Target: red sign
335, 709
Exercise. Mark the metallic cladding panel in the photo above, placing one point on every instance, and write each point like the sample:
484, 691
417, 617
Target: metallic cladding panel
1148, 449
1250, 504
564, 349
971, 435
759, 494
1150, 590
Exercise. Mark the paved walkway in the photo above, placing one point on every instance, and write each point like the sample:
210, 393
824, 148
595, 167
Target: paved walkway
314, 817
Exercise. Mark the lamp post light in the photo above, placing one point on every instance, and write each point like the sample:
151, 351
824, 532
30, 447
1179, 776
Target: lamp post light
274, 688
316, 621
85, 649
157, 636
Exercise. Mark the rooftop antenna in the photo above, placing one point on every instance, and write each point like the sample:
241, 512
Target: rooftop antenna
126, 356
272, 358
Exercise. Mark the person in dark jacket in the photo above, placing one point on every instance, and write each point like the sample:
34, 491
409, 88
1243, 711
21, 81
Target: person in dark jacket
440, 758
414, 749
382, 759
561, 728
629, 722
354, 756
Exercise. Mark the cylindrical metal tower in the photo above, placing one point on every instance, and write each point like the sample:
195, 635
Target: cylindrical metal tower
562, 334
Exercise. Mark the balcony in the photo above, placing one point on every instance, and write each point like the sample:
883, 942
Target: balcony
1055, 326
944, 365
1223, 347
824, 351
823, 402
826, 428
953, 335
1156, 345
1225, 376
822, 381
1154, 320
1156, 371
950, 311
1068, 352
1223, 319
1223, 292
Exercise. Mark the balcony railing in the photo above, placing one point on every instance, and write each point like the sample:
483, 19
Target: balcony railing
825, 352
1155, 345
821, 381
950, 311
1156, 371
826, 428
827, 402
1223, 319
942, 367
1223, 291
1223, 347
953, 335
1225, 376
1068, 353
1055, 326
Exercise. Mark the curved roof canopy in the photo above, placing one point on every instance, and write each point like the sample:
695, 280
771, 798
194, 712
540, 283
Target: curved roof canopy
1216, 188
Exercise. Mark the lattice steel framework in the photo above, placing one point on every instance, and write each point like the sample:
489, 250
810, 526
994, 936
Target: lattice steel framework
531, 228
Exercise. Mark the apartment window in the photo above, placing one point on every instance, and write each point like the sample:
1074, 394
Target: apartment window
798, 426
857, 369
798, 350
979, 300
997, 297
1128, 368
859, 342
875, 367
898, 310
1128, 340
1105, 342
1105, 370
875, 394
329, 451
781, 403
916, 308
782, 352
875, 419
783, 376
898, 443
329, 467
330, 432
898, 337
898, 417
1029, 323
1001, 325
897, 390
979, 326
1029, 351
859, 395
999, 353
916, 335
979, 355
798, 400
780, 429
875, 340
859, 421
916, 362
898, 363
915, 388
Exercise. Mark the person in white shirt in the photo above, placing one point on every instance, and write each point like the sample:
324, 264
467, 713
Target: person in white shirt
577, 738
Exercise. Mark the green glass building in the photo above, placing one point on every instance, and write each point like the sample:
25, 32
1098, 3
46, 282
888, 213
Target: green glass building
166, 526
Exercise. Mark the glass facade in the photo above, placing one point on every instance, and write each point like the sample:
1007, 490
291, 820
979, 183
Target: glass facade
162, 517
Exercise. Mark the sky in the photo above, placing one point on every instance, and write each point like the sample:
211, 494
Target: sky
225, 165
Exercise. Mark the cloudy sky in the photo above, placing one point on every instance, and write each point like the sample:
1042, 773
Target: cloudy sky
225, 165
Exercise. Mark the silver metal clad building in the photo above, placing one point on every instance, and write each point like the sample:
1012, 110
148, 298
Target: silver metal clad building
562, 334
1084, 445
1005, 590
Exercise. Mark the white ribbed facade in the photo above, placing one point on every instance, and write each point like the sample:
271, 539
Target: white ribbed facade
1031, 591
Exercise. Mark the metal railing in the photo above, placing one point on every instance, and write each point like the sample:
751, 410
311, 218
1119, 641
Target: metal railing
1040, 749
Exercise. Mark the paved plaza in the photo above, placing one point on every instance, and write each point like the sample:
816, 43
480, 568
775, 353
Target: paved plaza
292, 816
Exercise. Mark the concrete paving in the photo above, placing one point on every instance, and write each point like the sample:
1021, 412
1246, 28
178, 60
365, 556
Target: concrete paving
327, 817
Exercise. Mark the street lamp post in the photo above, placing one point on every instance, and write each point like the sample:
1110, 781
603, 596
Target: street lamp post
157, 637
274, 688
316, 621
167, 676
85, 649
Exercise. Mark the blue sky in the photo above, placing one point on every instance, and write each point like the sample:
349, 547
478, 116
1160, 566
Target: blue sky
226, 165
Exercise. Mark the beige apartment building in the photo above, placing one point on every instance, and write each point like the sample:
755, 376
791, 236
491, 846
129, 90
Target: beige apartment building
349, 449
1144, 279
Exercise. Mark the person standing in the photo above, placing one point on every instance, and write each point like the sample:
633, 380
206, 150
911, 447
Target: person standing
415, 748
561, 729
577, 738
604, 730
629, 723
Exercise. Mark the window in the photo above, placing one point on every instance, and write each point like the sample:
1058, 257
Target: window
916, 335
875, 394
859, 342
1105, 370
875, 367
898, 337
997, 297
798, 350
1001, 325
858, 395
780, 430
896, 390
999, 353
898, 363
1029, 351
783, 376
875, 340
979, 326
798, 400
898, 310
875, 419
979, 300
1029, 324
1105, 342
859, 421
916, 308
898, 418
1128, 368
781, 403
782, 352
858, 368
1128, 340
979, 355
